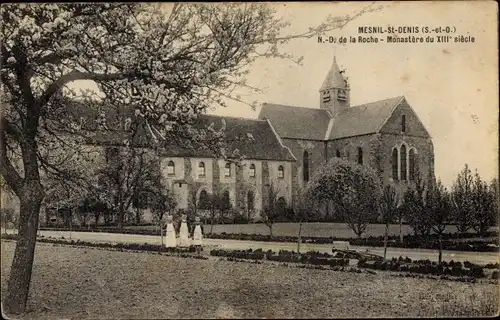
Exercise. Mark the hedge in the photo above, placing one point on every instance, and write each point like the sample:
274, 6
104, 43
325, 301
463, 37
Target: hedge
456, 269
124, 246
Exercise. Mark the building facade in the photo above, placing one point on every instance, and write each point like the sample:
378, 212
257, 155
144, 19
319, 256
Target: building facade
282, 148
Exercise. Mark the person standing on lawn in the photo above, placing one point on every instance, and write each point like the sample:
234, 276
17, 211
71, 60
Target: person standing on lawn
197, 235
184, 233
171, 239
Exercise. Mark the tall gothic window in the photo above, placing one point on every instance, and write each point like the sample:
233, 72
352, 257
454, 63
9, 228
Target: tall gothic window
403, 162
250, 200
281, 172
171, 168
306, 166
227, 170
360, 156
395, 164
403, 123
412, 164
252, 170
201, 169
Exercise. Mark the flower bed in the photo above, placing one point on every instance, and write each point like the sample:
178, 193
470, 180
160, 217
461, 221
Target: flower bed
409, 241
451, 268
239, 254
312, 257
124, 246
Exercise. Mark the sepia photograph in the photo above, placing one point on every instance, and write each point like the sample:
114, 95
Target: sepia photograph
271, 160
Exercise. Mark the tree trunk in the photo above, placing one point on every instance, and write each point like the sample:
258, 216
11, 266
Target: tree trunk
401, 230
20, 273
299, 238
271, 230
211, 225
385, 240
440, 248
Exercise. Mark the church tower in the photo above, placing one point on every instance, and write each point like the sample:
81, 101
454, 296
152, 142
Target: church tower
335, 91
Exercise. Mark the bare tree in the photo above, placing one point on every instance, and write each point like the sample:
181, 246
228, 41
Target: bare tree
463, 206
388, 208
438, 204
302, 210
273, 209
483, 202
414, 206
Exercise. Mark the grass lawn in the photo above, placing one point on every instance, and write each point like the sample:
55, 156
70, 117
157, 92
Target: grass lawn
312, 229
82, 283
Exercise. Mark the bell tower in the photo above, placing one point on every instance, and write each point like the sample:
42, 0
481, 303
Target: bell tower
335, 91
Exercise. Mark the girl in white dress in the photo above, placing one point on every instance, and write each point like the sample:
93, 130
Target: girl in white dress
197, 235
171, 239
184, 233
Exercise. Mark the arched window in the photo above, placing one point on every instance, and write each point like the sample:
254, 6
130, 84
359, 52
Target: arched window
281, 204
305, 166
412, 164
394, 164
403, 162
337, 153
227, 170
250, 200
403, 123
252, 170
281, 172
203, 200
226, 199
360, 156
171, 168
201, 169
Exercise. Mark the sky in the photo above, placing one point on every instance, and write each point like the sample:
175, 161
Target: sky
453, 87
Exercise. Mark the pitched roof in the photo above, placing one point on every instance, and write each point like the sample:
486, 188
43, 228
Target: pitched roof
363, 119
296, 122
334, 78
317, 124
254, 139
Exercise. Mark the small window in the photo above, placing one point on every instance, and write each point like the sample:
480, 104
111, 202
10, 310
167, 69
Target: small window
360, 156
326, 96
342, 95
337, 153
252, 170
171, 168
403, 123
281, 172
201, 169
227, 170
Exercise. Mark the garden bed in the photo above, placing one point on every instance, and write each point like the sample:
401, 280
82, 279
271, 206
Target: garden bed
122, 246
465, 271
409, 241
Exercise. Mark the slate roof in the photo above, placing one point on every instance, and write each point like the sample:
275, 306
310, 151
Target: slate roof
314, 124
296, 122
363, 119
334, 78
254, 139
